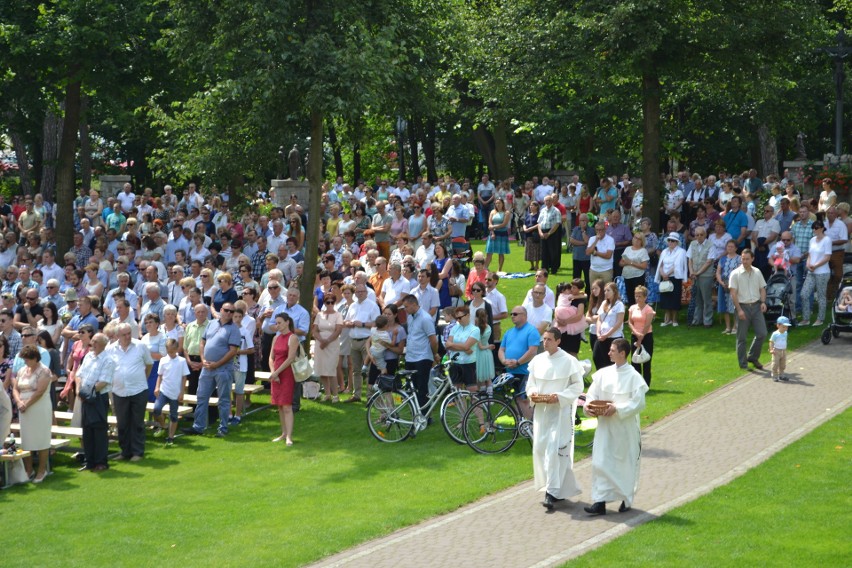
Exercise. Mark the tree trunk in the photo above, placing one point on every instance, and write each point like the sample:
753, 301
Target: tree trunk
335, 148
314, 175
429, 151
485, 144
51, 134
400, 147
85, 145
768, 151
503, 169
65, 176
651, 94
356, 162
23, 161
413, 139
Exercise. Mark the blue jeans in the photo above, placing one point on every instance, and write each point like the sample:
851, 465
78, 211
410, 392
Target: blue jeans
162, 401
219, 379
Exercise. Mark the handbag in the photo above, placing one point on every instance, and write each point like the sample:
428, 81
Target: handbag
303, 369
666, 286
640, 356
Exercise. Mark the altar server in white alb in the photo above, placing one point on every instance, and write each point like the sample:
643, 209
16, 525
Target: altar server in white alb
554, 384
615, 455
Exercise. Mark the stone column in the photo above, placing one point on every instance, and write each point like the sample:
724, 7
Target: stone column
282, 189
112, 185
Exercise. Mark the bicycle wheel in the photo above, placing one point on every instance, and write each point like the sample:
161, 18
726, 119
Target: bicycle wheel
490, 426
390, 416
453, 410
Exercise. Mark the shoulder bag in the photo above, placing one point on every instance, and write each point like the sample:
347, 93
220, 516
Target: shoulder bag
303, 369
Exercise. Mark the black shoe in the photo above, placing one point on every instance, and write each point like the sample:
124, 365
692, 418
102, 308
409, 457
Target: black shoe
598, 508
190, 431
548, 501
623, 508
757, 365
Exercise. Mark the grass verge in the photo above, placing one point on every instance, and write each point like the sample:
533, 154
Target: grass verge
792, 510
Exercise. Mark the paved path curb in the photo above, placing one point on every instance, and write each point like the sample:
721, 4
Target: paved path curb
706, 444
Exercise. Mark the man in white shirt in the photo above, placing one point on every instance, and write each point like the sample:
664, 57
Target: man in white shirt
49, 268
543, 190
126, 198
835, 229
394, 288
130, 392
549, 297
425, 254
277, 238
601, 249
539, 314
425, 293
360, 317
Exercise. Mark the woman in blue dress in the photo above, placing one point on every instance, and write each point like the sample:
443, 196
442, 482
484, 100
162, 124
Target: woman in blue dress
498, 236
443, 268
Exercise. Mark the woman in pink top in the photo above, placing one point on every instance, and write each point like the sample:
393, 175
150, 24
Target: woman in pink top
640, 317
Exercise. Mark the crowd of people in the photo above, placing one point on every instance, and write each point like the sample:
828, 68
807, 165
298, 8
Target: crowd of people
175, 294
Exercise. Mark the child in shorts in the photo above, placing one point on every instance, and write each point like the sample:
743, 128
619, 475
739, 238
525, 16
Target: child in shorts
377, 350
778, 349
241, 363
171, 381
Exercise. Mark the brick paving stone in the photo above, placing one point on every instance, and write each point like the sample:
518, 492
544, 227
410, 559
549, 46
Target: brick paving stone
707, 444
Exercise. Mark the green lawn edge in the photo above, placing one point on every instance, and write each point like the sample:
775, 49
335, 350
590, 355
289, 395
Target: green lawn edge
791, 510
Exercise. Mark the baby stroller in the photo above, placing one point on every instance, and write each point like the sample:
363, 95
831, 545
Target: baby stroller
779, 298
462, 252
841, 311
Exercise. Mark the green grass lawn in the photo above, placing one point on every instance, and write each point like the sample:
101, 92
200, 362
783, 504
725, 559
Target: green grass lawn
792, 510
244, 500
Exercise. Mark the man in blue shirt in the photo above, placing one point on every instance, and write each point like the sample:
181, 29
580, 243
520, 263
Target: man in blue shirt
458, 215
519, 345
736, 222
218, 347
422, 346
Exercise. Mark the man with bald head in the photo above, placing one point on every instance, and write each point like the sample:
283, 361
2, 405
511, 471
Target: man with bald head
96, 375
519, 345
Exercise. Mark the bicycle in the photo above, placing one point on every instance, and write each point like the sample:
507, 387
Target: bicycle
394, 413
493, 423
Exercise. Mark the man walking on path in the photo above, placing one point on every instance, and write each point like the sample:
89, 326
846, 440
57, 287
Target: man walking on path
617, 447
748, 293
557, 376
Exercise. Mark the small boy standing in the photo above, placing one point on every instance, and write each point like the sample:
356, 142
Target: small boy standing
778, 349
171, 380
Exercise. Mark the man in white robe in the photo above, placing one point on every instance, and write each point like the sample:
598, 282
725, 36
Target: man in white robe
615, 455
559, 376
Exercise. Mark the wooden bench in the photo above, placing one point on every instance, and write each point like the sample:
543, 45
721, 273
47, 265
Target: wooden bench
62, 431
67, 416
8, 460
193, 399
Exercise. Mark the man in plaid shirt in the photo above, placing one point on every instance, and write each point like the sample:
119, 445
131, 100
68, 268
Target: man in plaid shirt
802, 229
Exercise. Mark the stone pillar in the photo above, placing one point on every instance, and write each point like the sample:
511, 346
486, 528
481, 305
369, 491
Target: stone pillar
112, 185
282, 189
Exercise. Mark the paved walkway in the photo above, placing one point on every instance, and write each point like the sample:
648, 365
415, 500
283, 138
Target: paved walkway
699, 448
